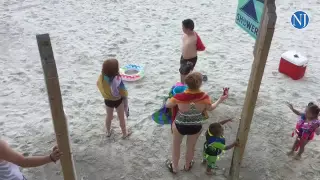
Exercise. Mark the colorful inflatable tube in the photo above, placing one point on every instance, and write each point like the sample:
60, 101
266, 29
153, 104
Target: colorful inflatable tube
131, 72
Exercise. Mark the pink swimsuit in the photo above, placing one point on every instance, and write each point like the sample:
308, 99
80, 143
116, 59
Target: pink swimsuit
306, 130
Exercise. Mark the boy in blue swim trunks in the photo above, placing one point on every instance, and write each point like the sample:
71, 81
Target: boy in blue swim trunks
215, 145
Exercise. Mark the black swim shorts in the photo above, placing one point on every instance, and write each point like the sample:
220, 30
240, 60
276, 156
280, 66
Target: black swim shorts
187, 65
113, 104
188, 129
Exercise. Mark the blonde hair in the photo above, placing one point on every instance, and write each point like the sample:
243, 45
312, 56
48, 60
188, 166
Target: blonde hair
194, 80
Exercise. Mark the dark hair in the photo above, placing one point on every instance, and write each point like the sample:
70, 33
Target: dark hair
188, 24
194, 80
310, 104
216, 129
110, 67
314, 110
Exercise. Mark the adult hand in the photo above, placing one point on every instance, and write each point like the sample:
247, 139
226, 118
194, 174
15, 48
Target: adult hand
223, 97
56, 154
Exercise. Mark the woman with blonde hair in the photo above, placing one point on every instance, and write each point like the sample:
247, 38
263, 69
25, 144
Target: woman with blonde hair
193, 105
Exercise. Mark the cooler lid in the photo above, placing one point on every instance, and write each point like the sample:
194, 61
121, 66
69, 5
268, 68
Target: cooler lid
295, 58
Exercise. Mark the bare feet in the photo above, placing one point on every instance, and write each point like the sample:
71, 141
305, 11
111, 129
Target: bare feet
190, 166
109, 133
297, 157
290, 153
127, 135
169, 166
209, 172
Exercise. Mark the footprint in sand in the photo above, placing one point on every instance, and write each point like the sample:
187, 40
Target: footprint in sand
244, 83
222, 56
115, 35
275, 73
295, 94
112, 55
123, 41
65, 92
39, 71
139, 86
157, 46
128, 29
45, 120
212, 62
148, 103
281, 90
43, 90
76, 141
114, 19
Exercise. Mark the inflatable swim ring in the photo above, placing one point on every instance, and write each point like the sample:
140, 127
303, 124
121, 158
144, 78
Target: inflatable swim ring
131, 72
178, 89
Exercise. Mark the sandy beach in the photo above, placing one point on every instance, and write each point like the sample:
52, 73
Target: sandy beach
148, 33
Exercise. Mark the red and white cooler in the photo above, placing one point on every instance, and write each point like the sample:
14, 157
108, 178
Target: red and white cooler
293, 64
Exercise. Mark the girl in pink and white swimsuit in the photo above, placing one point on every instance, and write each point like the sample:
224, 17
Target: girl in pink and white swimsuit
305, 129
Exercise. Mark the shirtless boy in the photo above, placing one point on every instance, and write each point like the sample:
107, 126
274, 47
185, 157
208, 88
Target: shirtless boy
189, 49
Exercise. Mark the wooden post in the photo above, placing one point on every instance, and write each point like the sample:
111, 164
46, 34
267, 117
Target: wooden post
57, 112
261, 51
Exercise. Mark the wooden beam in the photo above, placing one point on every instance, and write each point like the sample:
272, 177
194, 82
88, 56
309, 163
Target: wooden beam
59, 120
261, 52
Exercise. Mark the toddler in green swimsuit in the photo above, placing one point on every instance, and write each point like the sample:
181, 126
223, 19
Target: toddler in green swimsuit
215, 145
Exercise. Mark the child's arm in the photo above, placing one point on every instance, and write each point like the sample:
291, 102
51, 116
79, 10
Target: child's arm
294, 110
8, 154
230, 146
225, 121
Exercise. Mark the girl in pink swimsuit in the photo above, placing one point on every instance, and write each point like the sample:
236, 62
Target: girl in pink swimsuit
305, 129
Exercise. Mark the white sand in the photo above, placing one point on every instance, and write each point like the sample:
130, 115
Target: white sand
84, 33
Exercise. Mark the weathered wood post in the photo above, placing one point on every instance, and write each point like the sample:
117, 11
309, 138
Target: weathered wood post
59, 120
261, 52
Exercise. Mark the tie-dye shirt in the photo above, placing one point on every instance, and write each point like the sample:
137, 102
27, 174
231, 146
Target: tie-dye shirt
112, 88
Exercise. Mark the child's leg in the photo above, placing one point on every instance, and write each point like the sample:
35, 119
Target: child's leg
301, 149
294, 146
120, 112
211, 163
109, 118
204, 155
